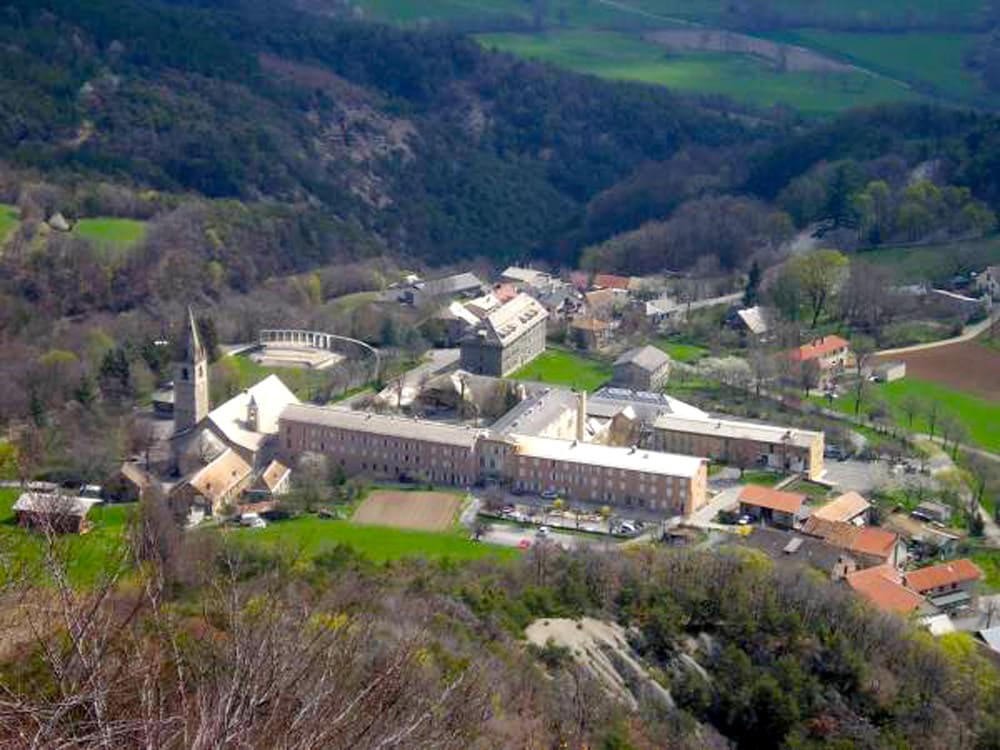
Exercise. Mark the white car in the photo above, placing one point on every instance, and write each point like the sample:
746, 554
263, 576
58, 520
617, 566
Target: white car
252, 521
543, 532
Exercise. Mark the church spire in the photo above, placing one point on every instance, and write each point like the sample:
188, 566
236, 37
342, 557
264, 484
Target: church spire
190, 379
194, 352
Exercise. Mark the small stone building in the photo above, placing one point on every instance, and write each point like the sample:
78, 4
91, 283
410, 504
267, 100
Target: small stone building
645, 368
62, 514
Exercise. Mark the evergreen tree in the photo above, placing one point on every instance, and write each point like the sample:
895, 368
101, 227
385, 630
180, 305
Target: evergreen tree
752, 291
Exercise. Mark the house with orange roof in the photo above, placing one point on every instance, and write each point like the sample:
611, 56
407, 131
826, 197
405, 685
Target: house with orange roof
832, 355
869, 545
947, 585
772, 506
882, 585
611, 281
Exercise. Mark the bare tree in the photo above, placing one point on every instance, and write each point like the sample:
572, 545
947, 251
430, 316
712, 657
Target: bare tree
864, 350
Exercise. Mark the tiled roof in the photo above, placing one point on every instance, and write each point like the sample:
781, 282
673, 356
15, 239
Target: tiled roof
943, 574
611, 281
843, 508
865, 540
219, 477
765, 497
818, 348
882, 586
647, 357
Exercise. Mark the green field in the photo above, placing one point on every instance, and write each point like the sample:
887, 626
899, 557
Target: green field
88, 556
661, 13
615, 55
565, 368
980, 416
113, 236
929, 59
9, 219
681, 352
311, 535
233, 374
911, 265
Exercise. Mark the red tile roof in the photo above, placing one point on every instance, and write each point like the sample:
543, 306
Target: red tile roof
611, 281
943, 574
818, 348
882, 587
765, 497
579, 279
866, 540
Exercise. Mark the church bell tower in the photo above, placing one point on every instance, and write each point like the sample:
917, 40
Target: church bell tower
190, 380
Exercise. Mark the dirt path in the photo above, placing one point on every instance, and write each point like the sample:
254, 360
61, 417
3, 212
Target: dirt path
968, 334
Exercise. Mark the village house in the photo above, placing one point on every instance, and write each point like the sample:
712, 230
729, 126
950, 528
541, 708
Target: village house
212, 488
50, 512
744, 444
506, 339
988, 282
770, 506
271, 483
947, 585
644, 368
832, 356
882, 585
867, 544
590, 333
933, 512
420, 293
850, 507
130, 483
750, 322
923, 539
524, 278
611, 281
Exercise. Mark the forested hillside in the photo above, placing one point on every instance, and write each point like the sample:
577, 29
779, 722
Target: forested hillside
430, 143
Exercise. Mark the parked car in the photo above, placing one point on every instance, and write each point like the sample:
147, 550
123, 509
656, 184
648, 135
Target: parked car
543, 532
92, 491
550, 495
626, 527
252, 521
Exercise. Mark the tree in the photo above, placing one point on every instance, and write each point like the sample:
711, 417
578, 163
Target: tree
752, 290
863, 348
818, 275
809, 373
933, 407
911, 405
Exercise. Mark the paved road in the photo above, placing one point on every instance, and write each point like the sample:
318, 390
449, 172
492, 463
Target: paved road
514, 536
968, 334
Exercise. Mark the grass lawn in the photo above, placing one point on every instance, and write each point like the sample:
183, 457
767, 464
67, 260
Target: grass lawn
989, 561
935, 262
312, 535
89, 555
763, 478
681, 352
121, 232
243, 372
565, 368
928, 58
980, 416
617, 55
9, 219
817, 493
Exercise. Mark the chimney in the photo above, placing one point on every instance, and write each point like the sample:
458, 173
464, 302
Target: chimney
581, 415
